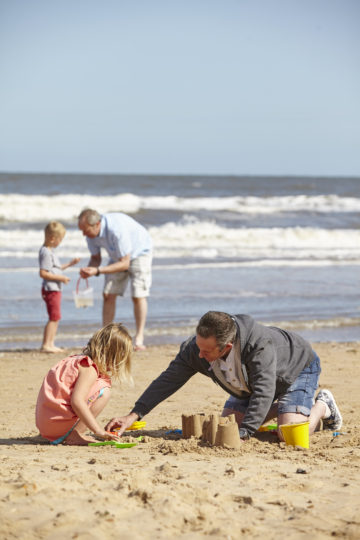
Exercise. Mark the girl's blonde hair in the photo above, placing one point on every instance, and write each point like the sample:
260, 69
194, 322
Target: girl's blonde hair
110, 348
54, 228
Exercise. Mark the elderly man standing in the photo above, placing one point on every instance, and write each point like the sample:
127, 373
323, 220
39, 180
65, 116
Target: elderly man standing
129, 247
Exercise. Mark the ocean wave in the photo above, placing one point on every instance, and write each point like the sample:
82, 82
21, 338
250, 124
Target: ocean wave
258, 263
42, 208
208, 240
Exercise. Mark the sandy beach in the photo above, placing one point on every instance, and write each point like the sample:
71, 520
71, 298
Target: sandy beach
169, 487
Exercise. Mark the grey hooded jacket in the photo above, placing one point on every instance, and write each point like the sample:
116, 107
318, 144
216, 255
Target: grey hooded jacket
268, 362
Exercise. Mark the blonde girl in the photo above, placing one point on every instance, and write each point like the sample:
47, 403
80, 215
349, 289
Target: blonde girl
76, 389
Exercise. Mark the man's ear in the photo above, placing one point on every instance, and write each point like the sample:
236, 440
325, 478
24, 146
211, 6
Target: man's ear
228, 347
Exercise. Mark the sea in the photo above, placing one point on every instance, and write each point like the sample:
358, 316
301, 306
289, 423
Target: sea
285, 250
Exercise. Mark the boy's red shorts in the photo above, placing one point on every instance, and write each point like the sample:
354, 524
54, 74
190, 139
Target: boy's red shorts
52, 300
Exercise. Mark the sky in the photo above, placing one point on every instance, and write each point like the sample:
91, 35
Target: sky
245, 87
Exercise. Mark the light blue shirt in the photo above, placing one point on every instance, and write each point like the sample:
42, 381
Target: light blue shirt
120, 235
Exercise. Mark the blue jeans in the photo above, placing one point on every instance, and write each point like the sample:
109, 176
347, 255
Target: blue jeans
298, 398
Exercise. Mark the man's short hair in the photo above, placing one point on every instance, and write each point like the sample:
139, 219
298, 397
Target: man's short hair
90, 216
218, 324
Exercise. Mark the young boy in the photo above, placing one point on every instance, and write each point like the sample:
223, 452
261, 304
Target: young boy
51, 273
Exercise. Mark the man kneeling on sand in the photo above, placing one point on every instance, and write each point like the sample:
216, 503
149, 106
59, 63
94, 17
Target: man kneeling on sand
267, 371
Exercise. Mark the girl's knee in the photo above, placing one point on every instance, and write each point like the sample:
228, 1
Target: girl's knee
102, 396
101, 401
106, 393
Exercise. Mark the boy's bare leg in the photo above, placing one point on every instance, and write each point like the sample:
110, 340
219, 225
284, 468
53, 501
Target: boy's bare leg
48, 344
77, 436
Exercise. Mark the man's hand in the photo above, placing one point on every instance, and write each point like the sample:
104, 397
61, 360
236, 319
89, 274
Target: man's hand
88, 271
122, 422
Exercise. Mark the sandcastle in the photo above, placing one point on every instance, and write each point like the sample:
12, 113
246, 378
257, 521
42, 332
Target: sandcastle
216, 430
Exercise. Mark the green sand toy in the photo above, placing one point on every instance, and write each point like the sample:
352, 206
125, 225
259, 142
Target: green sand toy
116, 444
113, 443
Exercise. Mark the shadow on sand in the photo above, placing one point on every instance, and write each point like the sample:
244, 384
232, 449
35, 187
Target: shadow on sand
35, 439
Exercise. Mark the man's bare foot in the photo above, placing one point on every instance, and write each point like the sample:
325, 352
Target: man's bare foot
140, 348
77, 439
51, 349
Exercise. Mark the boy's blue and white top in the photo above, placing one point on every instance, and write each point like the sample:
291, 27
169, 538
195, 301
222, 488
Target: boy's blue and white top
120, 235
50, 262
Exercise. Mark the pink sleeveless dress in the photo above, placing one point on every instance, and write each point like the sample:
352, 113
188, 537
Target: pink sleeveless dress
54, 415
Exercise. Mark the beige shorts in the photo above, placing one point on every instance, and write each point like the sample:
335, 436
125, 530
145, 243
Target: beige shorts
139, 274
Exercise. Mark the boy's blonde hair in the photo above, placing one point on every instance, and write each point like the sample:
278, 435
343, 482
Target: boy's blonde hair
54, 228
110, 348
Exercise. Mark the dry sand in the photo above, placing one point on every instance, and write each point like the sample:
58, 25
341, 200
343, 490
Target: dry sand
169, 487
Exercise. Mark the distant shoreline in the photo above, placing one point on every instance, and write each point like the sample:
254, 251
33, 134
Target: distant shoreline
164, 346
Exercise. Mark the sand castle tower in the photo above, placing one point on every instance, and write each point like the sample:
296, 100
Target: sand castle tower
216, 430
192, 425
210, 428
227, 434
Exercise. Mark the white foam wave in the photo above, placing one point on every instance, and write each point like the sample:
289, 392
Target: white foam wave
38, 208
208, 240
337, 322
259, 263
